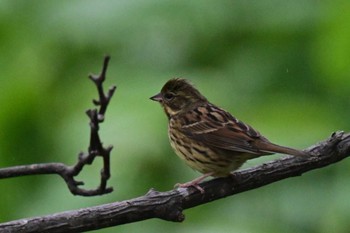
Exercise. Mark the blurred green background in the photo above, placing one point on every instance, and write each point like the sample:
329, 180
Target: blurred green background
281, 66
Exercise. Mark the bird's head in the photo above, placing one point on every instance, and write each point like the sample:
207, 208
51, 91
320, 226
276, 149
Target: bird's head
178, 96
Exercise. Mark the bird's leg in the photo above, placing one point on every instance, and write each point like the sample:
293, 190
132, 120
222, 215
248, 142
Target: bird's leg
195, 183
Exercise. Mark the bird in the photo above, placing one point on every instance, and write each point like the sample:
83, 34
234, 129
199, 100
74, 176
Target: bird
208, 138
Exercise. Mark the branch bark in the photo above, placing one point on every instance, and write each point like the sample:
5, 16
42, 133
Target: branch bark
169, 205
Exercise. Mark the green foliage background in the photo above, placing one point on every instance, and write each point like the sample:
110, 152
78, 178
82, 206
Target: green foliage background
281, 66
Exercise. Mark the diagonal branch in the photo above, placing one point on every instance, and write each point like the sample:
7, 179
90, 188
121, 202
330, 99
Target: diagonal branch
95, 149
169, 205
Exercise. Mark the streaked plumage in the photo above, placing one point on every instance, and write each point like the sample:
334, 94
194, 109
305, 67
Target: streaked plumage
208, 138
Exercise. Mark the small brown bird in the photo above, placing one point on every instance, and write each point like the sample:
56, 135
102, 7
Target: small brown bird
209, 139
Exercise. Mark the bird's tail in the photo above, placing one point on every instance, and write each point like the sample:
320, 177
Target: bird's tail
270, 147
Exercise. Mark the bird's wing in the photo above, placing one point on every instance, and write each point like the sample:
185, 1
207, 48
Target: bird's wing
219, 129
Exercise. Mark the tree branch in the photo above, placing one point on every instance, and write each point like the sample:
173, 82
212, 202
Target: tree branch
95, 149
169, 205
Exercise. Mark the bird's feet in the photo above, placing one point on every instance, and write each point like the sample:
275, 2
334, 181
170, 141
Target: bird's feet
190, 184
195, 183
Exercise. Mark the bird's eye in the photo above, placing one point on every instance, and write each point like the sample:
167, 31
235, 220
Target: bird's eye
169, 96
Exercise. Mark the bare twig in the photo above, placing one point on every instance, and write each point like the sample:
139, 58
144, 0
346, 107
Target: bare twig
169, 205
95, 149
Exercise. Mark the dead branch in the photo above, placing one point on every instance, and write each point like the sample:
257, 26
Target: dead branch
169, 205
95, 149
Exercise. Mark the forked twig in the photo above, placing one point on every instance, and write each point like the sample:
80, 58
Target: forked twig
68, 173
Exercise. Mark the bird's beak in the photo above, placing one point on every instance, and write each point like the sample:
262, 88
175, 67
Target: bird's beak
157, 98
